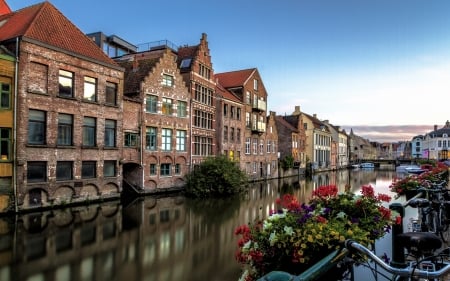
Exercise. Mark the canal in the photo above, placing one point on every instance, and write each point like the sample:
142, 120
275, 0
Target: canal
167, 238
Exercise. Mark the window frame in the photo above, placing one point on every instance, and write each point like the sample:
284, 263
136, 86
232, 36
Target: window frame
151, 138
39, 124
88, 169
89, 85
165, 170
131, 139
5, 96
167, 80
66, 77
5, 144
111, 93
167, 106
151, 104
65, 129
67, 170
89, 132
181, 109
41, 168
110, 133
107, 165
181, 136
166, 139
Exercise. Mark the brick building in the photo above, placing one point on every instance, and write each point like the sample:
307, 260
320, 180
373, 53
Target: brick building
156, 109
197, 71
69, 109
260, 155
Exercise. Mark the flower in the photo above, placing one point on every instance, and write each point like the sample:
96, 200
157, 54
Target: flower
411, 183
298, 235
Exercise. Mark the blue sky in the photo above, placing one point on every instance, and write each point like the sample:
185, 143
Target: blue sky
377, 66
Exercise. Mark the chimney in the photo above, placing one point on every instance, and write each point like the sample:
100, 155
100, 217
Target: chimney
315, 115
297, 110
435, 127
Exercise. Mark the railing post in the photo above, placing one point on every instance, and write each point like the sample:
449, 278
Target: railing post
398, 256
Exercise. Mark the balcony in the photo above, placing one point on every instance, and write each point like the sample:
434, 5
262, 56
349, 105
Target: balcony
259, 105
259, 127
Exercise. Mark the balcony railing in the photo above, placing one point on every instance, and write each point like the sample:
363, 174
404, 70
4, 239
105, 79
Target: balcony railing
259, 105
259, 127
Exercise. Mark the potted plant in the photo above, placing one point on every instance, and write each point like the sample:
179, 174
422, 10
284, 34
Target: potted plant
295, 236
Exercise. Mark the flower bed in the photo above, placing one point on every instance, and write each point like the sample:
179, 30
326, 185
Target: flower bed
408, 186
296, 235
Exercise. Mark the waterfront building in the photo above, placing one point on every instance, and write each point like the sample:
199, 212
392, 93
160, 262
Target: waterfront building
258, 160
157, 110
7, 117
291, 139
339, 151
197, 71
416, 147
437, 142
69, 109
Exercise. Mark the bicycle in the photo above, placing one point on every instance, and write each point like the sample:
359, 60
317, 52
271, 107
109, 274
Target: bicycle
427, 261
433, 210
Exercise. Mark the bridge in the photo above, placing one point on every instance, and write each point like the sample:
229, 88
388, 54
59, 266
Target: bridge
384, 161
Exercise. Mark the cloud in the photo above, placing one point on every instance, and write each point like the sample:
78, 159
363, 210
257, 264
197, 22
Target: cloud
390, 133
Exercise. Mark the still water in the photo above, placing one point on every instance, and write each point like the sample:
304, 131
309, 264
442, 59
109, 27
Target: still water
153, 239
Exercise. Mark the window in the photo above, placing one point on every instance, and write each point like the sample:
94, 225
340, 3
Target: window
40, 78
110, 133
204, 71
202, 119
88, 169
151, 104
5, 96
225, 133
232, 134
181, 140
167, 80
111, 93
225, 110
247, 97
65, 129
64, 170
166, 106
202, 146
5, 144
37, 171
269, 144
255, 146
181, 109
238, 114
233, 112
89, 131
247, 146
109, 168
177, 169
185, 63
203, 94
247, 119
255, 84
65, 84
261, 146
152, 169
165, 169
36, 127
166, 139
130, 139
150, 138
238, 135
90, 89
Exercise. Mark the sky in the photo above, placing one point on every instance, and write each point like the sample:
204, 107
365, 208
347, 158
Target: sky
378, 67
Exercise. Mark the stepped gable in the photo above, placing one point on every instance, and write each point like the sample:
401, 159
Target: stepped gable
135, 72
234, 78
46, 24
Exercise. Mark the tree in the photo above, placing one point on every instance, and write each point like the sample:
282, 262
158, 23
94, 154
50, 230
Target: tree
216, 177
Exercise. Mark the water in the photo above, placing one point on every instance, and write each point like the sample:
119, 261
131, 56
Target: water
152, 239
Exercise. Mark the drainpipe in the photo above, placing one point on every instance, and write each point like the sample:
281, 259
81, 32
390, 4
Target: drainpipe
16, 84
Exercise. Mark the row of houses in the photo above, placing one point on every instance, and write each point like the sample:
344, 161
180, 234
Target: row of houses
86, 116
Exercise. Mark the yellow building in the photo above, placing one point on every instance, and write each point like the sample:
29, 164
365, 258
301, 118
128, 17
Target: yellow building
7, 66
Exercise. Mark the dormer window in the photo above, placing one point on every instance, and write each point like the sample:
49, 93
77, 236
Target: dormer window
167, 80
255, 84
185, 63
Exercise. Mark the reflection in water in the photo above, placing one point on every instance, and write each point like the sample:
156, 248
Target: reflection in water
153, 239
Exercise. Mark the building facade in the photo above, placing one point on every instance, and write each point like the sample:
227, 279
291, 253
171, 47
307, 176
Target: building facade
437, 142
156, 150
69, 100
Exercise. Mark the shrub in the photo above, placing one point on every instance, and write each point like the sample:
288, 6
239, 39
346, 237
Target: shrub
216, 177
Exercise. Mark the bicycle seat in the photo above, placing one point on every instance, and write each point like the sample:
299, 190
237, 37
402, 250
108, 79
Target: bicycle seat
419, 202
419, 243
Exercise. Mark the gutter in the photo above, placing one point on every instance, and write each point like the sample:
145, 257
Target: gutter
16, 84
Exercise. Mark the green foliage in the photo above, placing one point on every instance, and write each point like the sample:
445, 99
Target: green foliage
287, 162
216, 177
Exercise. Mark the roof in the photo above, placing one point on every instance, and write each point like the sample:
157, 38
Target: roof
46, 24
226, 94
4, 8
442, 131
234, 79
135, 72
281, 121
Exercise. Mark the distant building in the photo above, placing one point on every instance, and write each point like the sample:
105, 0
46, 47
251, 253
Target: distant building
417, 147
436, 143
112, 45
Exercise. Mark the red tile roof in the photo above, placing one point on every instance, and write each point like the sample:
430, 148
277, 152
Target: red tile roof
44, 23
226, 94
234, 78
4, 8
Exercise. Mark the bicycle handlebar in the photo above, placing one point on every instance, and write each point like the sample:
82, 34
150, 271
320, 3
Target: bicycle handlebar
408, 271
